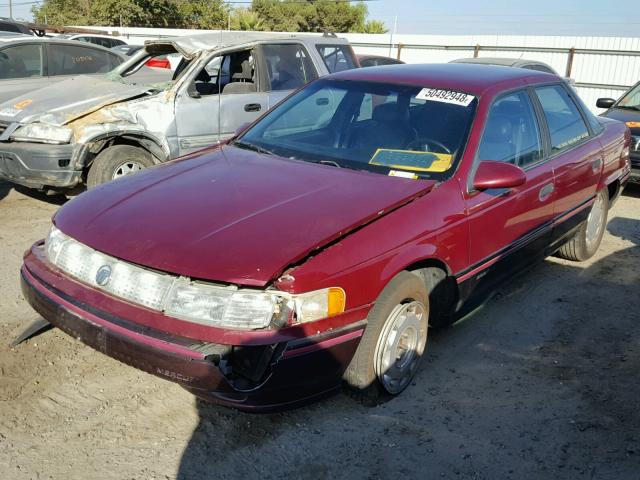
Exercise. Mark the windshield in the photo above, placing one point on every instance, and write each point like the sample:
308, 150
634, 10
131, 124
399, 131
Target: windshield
631, 99
157, 71
389, 129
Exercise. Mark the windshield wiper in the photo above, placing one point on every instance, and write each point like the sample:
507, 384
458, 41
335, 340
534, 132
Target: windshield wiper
630, 107
329, 162
253, 147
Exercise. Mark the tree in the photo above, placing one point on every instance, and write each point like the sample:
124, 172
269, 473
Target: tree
134, 13
375, 26
316, 16
246, 20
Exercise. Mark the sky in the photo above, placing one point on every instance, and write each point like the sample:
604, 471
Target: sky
538, 17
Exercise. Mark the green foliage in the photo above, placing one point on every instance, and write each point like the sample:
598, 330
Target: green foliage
375, 26
246, 20
134, 13
316, 16
271, 15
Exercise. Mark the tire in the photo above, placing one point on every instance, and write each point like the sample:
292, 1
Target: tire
117, 161
585, 242
372, 370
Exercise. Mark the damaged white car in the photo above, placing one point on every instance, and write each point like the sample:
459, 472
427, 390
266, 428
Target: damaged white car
90, 131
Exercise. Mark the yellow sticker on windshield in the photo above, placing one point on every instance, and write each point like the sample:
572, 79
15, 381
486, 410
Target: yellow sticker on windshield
412, 160
23, 103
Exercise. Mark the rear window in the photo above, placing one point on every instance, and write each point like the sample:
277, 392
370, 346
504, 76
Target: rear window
564, 120
336, 57
79, 60
289, 66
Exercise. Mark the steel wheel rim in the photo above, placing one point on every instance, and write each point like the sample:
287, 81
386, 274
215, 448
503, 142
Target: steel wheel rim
594, 222
127, 168
401, 345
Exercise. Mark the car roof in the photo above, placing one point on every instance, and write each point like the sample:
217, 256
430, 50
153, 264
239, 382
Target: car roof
52, 40
507, 62
72, 36
463, 77
190, 45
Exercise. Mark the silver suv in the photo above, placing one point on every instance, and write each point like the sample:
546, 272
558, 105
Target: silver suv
92, 130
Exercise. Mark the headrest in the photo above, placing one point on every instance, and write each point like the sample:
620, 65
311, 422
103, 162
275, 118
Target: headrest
509, 108
386, 112
243, 71
499, 129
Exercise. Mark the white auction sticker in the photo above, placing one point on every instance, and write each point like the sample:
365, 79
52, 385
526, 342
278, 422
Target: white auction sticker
445, 96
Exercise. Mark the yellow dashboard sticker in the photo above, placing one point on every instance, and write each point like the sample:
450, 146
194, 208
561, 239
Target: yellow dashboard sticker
412, 160
23, 103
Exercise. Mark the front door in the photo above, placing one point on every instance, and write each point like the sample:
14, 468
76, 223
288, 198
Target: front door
223, 96
509, 229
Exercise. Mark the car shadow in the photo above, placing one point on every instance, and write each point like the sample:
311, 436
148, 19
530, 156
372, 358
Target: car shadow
539, 383
632, 190
6, 187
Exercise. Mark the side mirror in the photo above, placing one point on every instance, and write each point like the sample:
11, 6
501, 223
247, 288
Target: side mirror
605, 102
192, 91
490, 174
242, 128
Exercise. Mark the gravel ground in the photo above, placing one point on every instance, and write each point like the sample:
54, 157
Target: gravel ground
540, 383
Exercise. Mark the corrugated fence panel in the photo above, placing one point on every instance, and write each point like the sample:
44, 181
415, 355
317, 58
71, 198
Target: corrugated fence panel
609, 62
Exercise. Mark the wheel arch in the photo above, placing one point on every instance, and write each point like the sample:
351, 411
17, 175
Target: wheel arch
155, 146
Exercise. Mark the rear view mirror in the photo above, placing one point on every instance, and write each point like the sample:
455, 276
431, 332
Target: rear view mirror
605, 102
491, 174
322, 101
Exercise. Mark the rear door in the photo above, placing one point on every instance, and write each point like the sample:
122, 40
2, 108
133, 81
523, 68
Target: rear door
287, 67
22, 69
576, 157
509, 228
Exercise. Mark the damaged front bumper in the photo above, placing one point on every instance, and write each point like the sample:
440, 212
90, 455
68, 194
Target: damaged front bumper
38, 165
253, 377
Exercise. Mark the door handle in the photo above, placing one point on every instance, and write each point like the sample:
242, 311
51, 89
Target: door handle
252, 107
545, 192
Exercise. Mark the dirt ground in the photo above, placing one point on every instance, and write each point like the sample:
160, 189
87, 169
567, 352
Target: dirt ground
540, 383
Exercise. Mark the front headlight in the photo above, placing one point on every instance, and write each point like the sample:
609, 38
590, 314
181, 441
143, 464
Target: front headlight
198, 302
38, 132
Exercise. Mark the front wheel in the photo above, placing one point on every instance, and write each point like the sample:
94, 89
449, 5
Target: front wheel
394, 342
585, 242
117, 161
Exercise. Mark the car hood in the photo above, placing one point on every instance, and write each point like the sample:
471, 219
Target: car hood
231, 215
624, 115
68, 100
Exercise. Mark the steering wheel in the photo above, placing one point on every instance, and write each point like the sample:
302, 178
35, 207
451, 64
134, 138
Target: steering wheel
426, 144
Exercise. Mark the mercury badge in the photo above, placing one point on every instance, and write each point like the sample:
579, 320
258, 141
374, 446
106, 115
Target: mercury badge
103, 275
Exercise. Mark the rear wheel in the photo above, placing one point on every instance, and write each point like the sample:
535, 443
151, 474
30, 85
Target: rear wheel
585, 242
117, 161
393, 344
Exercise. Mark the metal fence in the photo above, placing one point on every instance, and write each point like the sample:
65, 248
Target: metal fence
599, 66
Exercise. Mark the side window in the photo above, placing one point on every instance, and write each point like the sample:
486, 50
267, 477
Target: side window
21, 61
565, 123
511, 133
338, 58
288, 66
72, 60
313, 113
230, 73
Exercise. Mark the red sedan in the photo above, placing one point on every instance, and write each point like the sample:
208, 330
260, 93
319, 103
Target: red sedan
321, 243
